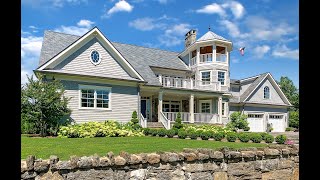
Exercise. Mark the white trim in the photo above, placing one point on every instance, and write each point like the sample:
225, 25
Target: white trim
274, 85
226, 53
201, 71
246, 79
224, 106
100, 57
95, 88
95, 32
205, 101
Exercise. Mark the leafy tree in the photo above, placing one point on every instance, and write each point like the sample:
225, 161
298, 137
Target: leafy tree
178, 124
238, 121
43, 106
292, 93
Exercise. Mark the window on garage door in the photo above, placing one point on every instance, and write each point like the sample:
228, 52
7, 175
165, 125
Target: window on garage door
275, 116
255, 115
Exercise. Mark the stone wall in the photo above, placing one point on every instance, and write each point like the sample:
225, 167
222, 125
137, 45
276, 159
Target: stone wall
273, 162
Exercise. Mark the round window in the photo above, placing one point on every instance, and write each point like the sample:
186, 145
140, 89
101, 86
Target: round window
95, 57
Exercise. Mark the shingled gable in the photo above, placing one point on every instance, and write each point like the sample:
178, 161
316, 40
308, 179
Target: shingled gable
95, 32
244, 96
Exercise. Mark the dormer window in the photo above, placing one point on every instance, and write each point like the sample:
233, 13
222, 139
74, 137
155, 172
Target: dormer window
95, 57
266, 93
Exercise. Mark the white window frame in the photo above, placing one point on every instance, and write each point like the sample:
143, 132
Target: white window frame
264, 92
95, 88
225, 77
100, 57
205, 101
172, 103
210, 73
227, 54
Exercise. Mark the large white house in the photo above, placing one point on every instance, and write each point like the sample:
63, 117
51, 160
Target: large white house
108, 81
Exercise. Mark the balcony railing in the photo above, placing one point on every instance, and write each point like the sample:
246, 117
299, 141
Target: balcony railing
221, 57
172, 116
205, 58
198, 117
190, 84
193, 61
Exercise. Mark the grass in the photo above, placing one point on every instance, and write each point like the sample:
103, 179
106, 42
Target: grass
65, 147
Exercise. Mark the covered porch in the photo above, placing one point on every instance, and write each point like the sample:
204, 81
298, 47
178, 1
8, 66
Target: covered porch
163, 105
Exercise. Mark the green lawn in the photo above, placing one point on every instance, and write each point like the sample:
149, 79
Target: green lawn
65, 147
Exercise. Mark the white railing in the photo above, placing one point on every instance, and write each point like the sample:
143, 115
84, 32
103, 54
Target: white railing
204, 58
165, 121
143, 121
172, 116
221, 57
206, 118
193, 61
190, 84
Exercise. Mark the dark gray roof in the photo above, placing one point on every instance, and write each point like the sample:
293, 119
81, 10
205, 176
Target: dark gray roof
141, 58
253, 85
234, 81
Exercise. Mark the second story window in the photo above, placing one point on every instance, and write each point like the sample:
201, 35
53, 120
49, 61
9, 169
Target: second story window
221, 55
266, 93
205, 54
221, 77
205, 77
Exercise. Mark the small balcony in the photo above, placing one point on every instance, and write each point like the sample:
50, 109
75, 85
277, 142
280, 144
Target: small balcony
189, 84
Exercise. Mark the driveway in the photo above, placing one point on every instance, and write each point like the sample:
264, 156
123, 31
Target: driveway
290, 135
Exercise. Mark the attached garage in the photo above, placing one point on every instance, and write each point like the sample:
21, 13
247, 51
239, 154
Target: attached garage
277, 122
255, 122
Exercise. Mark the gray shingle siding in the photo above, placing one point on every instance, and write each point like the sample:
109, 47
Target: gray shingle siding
80, 63
124, 100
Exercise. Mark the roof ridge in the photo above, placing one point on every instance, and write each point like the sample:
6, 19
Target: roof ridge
254, 76
61, 33
146, 47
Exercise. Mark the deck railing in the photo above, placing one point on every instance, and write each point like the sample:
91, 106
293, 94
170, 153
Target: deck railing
206, 118
172, 116
165, 121
190, 84
142, 121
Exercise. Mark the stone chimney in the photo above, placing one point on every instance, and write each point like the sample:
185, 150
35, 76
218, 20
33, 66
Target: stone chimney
190, 37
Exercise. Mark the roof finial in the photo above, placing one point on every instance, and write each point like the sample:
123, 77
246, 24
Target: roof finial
209, 27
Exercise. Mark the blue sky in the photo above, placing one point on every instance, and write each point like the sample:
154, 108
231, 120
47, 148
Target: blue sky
269, 29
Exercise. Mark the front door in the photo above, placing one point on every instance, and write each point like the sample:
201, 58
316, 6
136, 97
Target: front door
144, 107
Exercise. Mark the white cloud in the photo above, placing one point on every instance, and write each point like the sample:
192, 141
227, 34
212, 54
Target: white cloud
122, 5
284, 52
260, 51
213, 8
236, 8
145, 24
85, 23
232, 28
162, 1
30, 52
83, 27
174, 35
180, 29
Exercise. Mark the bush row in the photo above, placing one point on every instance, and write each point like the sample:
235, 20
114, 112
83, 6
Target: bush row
217, 136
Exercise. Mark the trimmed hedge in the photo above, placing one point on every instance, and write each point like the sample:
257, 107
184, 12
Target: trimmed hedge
244, 137
281, 139
205, 135
182, 134
232, 137
218, 136
269, 138
170, 133
255, 137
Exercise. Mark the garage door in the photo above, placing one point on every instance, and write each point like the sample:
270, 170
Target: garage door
255, 122
277, 123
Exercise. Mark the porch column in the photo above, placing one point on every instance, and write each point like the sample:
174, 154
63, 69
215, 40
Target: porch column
160, 105
220, 108
191, 108
198, 56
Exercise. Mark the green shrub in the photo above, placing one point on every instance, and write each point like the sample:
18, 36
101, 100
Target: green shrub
244, 137
182, 134
246, 128
218, 136
290, 129
294, 119
170, 133
175, 131
281, 139
146, 131
263, 135
238, 121
269, 138
134, 118
193, 134
177, 124
205, 135
162, 132
232, 137
154, 132
255, 137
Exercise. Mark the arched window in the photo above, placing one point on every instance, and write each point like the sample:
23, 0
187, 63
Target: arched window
266, 93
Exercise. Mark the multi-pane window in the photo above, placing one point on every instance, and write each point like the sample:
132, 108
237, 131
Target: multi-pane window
275, 116
255, 115
266, 93
205, 77
95, 98
171, 106
175, 107
221, 77
205, 107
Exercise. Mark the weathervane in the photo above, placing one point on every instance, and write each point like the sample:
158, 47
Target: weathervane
209, 27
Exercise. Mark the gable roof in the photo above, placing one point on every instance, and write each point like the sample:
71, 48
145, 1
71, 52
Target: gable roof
211, 36
257, 80
141, 58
